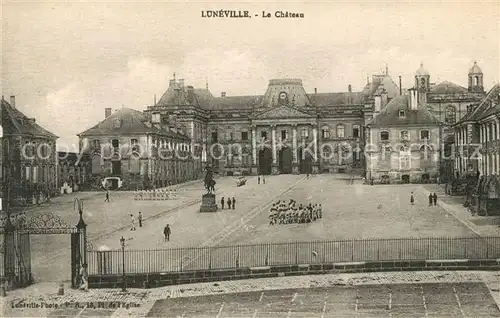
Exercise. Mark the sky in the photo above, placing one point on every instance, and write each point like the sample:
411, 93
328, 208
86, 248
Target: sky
66, 62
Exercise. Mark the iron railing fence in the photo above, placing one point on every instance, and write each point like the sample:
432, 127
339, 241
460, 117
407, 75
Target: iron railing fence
226, 257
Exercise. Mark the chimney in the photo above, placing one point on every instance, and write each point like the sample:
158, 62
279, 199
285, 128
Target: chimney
155, 100
223, 94
400, 86
315, 90
107, 112
13, 101
349, 88
378, 103
413, 96
349, 97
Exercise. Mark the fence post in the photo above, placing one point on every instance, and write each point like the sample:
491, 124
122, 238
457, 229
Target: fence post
296, 253
266, 261
209, 258
352, 250
378, 251
465, 249
238, 258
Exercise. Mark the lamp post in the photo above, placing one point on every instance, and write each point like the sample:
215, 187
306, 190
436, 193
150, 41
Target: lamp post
122, 243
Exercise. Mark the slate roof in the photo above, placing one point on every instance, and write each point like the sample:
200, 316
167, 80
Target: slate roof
231, 102
484, 108
14, 122
335, 99
447, 87
379, 83
132, 122
389, 116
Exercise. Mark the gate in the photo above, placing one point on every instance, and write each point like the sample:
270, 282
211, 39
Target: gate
15, 245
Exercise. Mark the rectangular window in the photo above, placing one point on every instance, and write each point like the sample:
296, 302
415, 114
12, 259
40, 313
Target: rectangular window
405, 135
115, 143
96, 144
263, 134
326, 133
355, 131
384, 135
244, 135
424, 134
304, 133
214, 137
402, 113
284, 134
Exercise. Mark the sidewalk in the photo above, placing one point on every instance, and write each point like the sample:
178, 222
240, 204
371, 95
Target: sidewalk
481, 225
140, 301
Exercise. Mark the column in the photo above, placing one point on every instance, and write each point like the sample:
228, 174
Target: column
294, 143
487, 155
254, 147
315, 140
273, 136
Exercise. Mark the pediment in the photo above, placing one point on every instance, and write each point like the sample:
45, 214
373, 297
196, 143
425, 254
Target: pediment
282, 112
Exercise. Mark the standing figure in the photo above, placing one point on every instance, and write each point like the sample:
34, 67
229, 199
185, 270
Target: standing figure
140, 219
234, 203
132, 220
222, 203
166, 233
107, 196
84, 285
435, 198
430, 199
412, 199
263, 180
258, 179
229, 203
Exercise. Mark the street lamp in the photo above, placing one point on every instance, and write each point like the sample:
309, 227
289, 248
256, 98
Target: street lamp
122, 243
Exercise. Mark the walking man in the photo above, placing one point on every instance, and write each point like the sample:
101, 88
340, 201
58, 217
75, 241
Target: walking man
435, 198
107, 196
222, 203
234, 203
263, 180
166, 233
132, 220
430, 199
258, 179
140, 219
229, 203
412, 199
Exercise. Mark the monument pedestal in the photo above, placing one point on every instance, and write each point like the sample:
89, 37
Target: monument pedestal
295, 168
208, 203
254, 170
315, 168
274, 170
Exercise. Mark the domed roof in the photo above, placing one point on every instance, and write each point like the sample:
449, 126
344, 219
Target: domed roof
475, 69
422, 71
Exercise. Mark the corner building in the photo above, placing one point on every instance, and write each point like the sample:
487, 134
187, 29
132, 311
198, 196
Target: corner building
285, 130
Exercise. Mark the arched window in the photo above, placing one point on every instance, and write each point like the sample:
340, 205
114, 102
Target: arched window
422, 82
476, 80
450, 115
404, 149
425, 152
325, 132
340, 131
384, 135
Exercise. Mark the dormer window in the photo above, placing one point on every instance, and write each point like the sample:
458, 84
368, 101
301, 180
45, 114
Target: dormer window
156, 118
402, 114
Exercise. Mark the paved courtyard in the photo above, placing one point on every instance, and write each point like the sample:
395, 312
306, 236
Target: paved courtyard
350, 211
402, 300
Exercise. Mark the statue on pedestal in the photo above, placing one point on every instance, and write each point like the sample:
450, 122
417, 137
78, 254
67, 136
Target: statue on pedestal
208, 199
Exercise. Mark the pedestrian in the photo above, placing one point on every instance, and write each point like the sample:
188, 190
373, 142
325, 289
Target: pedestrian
140, 219
166, 233
222, 203
435, 198
234, 203
229, 203
84, 283
107, 196
430, 199
412, 199
132, 220
307, 175
258, 179
263, 180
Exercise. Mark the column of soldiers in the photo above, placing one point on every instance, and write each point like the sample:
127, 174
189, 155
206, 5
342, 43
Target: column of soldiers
160, 194
287, 213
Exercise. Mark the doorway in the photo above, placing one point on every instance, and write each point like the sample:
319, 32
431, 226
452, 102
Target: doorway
285, 160
305, 161
265, 161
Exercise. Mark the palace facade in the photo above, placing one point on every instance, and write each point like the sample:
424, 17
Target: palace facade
285, 130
